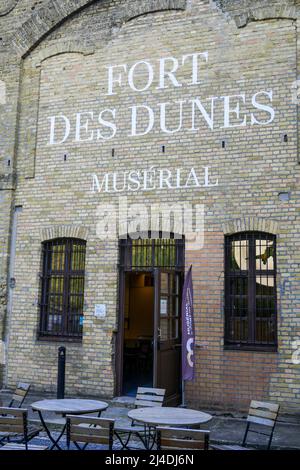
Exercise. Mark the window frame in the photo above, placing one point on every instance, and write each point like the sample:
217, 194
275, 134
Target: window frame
251, 344
66, 274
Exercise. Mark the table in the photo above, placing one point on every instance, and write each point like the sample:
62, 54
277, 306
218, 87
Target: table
166, 416
65, 407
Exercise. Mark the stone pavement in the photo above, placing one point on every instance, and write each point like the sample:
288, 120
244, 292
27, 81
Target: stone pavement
225, 428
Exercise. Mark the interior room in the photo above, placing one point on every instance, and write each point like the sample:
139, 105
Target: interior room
138, 332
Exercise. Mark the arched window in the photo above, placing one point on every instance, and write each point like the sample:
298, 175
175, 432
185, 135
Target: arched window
62, 294
250, 291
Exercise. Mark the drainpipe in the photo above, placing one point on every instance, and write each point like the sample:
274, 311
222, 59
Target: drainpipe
11, 284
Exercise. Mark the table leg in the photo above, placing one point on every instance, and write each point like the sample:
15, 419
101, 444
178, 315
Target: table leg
149, 439
124, 445
54, 441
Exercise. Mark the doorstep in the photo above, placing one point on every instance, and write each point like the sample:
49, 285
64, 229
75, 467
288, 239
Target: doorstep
127, 402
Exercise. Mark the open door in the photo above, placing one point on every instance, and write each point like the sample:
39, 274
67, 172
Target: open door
167, 334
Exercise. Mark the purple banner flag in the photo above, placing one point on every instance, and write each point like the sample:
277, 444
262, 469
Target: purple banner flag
188, 328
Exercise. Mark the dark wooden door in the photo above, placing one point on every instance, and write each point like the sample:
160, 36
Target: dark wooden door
167, 334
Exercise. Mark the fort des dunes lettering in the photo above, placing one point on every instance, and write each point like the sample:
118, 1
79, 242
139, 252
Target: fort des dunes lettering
193, 113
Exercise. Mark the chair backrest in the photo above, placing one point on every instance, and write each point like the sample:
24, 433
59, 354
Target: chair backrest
262, 413
182, 439
13, 421
90, 430
19, 394
149, 396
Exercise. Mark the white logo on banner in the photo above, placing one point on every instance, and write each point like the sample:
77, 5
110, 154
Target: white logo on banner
190, 351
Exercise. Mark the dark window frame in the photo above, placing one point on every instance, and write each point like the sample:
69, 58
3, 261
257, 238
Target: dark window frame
249, 277
62, 321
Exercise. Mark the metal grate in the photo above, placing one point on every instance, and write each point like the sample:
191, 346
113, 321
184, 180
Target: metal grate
250, 290
62, 293
145, 254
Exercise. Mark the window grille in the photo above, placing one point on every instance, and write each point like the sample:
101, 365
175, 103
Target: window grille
62, 295
250, 290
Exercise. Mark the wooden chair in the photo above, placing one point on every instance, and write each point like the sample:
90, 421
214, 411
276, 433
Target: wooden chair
145, 396
14, 427
89, 430
262, 416
181, 439
19, 395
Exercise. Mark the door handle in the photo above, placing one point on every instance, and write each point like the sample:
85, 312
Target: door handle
158, 333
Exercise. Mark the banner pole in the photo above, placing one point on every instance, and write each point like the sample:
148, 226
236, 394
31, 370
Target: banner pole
183, 394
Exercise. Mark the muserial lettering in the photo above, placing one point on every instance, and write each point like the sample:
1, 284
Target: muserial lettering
152, 179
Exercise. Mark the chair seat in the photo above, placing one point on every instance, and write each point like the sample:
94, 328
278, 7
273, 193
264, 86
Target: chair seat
228, 447
13, 446
32, 431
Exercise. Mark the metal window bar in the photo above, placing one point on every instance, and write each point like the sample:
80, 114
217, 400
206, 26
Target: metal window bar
62, 293
250, 290
148, 254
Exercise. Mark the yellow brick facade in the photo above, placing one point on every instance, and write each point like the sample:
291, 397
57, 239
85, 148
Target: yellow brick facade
54, 61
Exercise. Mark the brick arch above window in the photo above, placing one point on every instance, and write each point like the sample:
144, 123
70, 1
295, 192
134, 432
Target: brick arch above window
256, 10
138, 8
54, 13
249, 224
64, 231
62, 48
6, 6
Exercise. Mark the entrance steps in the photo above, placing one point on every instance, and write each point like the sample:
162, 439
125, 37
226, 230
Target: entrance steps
127, 402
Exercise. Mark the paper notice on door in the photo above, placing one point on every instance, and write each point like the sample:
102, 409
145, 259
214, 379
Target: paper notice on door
163, 306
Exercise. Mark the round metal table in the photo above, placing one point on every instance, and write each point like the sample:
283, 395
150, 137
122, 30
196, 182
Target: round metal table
166, 416
65, 407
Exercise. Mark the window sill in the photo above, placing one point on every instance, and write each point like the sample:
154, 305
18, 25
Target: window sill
59, 339
250, 348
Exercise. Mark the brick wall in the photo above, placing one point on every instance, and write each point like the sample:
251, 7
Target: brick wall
224, 379
65, 72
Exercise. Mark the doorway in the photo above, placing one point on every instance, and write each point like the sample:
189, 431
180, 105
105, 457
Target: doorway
138, 332
148, 347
